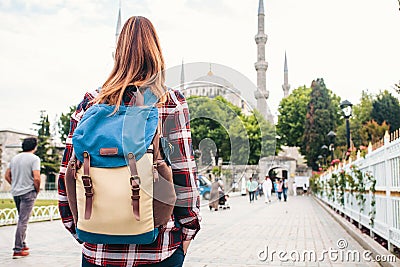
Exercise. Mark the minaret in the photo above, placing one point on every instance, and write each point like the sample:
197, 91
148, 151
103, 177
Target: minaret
261, 66
182, 77
118, 30
285, 85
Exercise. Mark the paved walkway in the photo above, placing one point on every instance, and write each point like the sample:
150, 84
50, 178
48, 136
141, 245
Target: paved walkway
228, 237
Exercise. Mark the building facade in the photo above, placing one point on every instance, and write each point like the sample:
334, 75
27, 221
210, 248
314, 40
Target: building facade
10, 145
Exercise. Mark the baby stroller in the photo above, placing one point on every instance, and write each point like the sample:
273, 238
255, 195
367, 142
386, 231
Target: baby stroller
223, 201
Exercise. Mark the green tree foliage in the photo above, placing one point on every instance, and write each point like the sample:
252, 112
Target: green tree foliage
361, 116
386, 108
363, 128
239, 138
322, 116
292, 116
261, 136
373, 132
64, 123
397, 87
50, 161
362, 111
208, 120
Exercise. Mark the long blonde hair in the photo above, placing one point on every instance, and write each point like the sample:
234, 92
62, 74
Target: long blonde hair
138, 61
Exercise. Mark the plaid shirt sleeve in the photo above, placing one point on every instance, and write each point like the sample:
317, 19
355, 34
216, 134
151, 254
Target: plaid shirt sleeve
63, 206
176, 127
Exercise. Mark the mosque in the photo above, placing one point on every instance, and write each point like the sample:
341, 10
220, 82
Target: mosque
211, 85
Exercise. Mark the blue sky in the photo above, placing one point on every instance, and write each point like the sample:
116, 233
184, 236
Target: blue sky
52, 51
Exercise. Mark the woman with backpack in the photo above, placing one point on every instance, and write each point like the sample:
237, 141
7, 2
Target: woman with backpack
138, 71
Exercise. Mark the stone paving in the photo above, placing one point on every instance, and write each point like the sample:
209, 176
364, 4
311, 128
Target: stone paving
231, 237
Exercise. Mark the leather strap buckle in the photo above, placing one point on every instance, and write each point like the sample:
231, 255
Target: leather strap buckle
87, 181
135, 180
87, 184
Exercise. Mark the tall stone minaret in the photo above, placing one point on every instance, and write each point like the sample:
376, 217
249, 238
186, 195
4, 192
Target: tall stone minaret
285, 85
261, 67
118, 29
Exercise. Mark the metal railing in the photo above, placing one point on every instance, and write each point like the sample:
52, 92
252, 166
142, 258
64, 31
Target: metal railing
39, 213
377, 208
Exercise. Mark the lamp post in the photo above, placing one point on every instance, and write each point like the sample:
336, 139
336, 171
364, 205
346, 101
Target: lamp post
324, 149
331, 136
218, 161
319, 161
346, 107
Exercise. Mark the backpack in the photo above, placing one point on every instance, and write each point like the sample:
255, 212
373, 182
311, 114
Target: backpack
119, 180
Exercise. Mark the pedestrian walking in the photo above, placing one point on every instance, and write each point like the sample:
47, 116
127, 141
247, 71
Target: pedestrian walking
260, 189
23, 174
137, 78
285, 187
294, 186
251, 187
214, 195
275, 185
267, 189
279, 185
305, 189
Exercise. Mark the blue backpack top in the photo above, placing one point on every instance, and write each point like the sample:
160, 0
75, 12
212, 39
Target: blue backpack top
130, 129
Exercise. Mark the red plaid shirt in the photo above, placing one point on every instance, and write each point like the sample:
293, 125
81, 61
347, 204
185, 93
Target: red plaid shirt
185, 221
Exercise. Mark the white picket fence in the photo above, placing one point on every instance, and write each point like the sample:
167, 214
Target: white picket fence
39, 213
384, 165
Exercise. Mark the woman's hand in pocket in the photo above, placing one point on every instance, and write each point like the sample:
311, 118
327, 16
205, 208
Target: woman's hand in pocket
185, 246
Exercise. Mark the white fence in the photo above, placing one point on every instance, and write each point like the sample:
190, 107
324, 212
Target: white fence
377, 210
39, 213
42, 213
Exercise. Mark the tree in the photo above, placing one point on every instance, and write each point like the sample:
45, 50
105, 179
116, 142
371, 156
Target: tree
239, 138
362, 111
363, 128
361, 116
261, 137
322, 116
209, 120
50, 161
397, 87
386, 108
292, 116
64, 123
373, 132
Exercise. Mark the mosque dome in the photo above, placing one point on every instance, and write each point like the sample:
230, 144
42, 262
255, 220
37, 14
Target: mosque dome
211, 80
214, 79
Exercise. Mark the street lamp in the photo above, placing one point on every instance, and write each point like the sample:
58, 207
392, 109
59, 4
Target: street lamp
346, 107
324, 149
331, 137
319, 161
